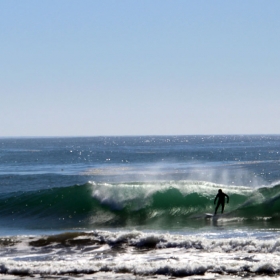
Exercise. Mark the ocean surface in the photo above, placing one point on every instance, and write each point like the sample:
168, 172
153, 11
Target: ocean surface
135, 207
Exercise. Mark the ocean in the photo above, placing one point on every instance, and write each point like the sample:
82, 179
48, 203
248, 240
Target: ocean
136, 207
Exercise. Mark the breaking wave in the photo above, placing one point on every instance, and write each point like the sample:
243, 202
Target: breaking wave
132, 204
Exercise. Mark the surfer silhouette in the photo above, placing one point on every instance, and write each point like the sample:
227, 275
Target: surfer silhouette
221, 200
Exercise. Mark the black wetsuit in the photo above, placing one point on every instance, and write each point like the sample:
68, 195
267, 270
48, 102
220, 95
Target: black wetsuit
221, 201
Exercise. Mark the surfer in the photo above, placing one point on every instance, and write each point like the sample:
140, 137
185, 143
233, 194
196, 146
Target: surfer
221, 200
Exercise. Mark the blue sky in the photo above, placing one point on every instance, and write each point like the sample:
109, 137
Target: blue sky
86, 68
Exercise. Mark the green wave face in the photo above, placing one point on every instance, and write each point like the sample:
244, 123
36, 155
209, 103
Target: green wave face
134, 204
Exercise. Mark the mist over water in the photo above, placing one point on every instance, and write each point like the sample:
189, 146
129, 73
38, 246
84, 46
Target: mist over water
135, 181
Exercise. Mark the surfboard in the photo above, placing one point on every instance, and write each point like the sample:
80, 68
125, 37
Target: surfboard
212, 216
208, 215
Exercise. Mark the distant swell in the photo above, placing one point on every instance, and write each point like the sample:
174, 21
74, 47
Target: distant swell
132, 204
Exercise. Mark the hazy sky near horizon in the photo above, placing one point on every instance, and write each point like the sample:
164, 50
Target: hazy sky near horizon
177, 67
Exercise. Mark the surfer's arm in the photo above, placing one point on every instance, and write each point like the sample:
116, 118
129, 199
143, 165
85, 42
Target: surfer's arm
215, 199
227, 198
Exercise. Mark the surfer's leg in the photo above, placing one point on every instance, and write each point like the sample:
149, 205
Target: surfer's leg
223, 206
217, 207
